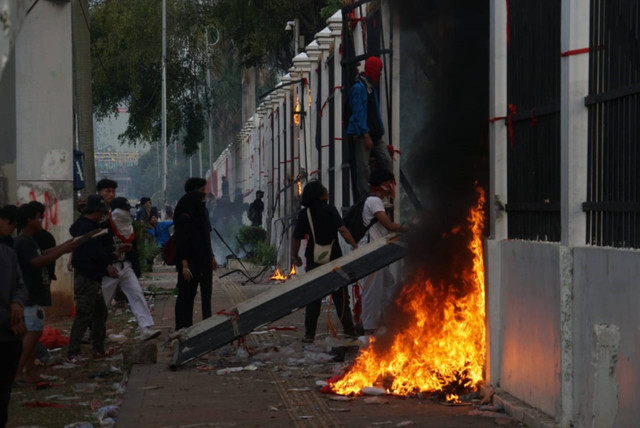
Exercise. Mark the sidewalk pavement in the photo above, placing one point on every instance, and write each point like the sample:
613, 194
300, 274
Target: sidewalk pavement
270, 381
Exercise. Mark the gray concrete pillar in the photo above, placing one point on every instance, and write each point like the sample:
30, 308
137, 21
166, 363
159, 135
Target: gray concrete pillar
497, 186
574, 124
497, 126
44, 126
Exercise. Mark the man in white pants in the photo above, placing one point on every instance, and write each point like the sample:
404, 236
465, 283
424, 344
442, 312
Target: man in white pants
121, 230
378, 288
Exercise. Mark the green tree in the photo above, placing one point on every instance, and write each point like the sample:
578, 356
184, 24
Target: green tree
126, 42
259, 35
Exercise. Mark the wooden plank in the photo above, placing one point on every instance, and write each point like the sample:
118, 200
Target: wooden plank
283, 299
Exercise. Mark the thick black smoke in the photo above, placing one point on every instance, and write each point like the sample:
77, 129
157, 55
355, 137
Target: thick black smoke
449, 155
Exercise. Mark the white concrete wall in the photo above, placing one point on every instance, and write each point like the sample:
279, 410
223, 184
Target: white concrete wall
12, 14
595, 290
530, 323
44, 124
606, 373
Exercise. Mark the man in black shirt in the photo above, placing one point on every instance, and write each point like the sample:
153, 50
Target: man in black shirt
91, 260
33, 264
7, 224
13, 297
321, 222
255, 209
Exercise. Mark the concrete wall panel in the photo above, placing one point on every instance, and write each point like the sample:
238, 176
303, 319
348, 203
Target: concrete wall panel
531, 323
44, 107
44, 126
606, 293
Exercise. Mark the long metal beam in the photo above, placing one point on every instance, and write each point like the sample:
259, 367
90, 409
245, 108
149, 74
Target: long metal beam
283, 299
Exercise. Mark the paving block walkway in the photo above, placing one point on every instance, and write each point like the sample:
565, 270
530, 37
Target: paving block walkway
269, 381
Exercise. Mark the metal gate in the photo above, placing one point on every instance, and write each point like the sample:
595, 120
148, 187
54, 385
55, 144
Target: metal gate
533, 120
613, 188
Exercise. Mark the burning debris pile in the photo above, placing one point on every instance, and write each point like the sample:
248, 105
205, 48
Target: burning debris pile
279, 276
440, 346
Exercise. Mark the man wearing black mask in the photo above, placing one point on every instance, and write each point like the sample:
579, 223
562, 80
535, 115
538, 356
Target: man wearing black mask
194, 256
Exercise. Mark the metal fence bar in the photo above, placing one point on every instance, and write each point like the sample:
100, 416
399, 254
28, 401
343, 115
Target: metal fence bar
533, 89
613, 199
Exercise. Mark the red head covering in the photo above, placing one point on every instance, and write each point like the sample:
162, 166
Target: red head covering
373, 69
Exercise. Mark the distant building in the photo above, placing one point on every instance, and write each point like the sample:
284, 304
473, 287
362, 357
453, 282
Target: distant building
113, 159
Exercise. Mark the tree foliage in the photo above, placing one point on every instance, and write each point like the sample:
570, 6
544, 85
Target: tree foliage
126, 38
257, 27
126, 41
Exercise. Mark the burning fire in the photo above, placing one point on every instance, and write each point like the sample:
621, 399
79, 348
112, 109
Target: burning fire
296, 115
442, 347
278, 276
299, 188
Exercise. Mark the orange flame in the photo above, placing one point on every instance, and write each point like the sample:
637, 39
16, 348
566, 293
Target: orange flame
277, 276
296, 115
293, 270
444, 341
299, 188
452, 398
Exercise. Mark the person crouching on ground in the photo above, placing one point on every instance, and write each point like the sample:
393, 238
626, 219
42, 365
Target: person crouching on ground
91, 260
33, 263
194, 256
326, 223
121, 231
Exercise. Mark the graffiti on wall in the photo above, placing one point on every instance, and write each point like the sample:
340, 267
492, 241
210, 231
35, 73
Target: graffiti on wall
50, 217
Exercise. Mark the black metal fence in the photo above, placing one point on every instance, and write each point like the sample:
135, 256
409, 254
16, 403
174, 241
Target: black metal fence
613, 198
533, 119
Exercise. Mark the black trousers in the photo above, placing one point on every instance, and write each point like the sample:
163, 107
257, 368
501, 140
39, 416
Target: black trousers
9, 357
341, 303
187, 291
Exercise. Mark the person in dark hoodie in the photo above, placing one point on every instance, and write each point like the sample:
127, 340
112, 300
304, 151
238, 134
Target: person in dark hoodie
194, 256
13, 298
92, 260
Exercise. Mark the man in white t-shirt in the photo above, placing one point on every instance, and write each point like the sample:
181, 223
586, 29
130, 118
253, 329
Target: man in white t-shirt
379, 287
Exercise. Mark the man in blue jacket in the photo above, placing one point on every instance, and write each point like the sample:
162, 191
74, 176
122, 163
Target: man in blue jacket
365, 126
91, 260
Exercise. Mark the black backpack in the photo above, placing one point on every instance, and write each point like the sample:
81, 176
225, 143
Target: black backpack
353, 219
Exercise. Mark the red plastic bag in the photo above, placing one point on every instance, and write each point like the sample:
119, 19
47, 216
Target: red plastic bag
51, 338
